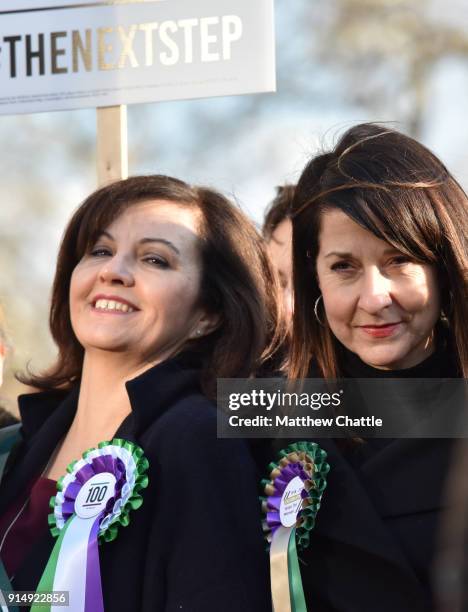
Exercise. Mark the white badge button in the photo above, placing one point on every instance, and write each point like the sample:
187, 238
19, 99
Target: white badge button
94, 495
291, 502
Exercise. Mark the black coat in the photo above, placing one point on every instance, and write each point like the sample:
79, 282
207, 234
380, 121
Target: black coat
374, 543
375, 540
196, 543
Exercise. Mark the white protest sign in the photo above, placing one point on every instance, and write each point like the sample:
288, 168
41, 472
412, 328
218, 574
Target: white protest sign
63, 55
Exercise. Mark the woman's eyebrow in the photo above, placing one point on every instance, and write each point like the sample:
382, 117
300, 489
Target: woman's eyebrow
388, 251
338, 254
163, 241
168, 243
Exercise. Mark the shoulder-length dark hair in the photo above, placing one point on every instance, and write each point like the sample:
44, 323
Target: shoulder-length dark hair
394, 187
237, 281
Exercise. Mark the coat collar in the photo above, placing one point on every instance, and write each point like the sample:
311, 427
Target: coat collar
410, 465
46, 417
150, 394
348, 515
357, 501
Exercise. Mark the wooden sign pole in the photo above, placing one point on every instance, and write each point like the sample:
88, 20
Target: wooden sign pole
112, 146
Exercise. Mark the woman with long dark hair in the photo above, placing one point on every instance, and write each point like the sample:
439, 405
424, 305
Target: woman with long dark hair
380, 230
160, 288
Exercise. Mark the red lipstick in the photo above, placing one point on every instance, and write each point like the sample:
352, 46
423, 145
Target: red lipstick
380, 331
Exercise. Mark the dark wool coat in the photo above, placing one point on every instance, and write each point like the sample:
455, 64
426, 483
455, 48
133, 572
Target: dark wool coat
196, 543
375, 540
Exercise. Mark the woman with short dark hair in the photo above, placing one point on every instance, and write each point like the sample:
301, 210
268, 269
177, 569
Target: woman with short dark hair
160, 288
380, 231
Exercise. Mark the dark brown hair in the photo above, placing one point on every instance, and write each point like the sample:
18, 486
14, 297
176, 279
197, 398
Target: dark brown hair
398, 190
236, 282
278, 210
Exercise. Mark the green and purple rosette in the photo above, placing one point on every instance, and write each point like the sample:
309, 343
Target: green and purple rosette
94, 499
293, 493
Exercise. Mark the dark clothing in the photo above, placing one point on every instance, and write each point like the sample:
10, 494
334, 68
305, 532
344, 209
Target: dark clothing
196, 543
6, 418
441, 364
30, 526
375, 537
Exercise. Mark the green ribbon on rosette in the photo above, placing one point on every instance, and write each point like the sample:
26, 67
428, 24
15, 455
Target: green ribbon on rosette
94, 499
293, 494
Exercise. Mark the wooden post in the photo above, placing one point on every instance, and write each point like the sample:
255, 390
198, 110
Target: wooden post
112, 148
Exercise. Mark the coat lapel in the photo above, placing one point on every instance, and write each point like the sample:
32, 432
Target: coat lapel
46, 417
349, 516
35, 450
416, 469
9, 436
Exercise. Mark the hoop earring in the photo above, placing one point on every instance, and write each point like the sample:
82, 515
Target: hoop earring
316, 305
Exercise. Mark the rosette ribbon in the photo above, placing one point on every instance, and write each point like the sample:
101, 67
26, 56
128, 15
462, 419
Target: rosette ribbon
293, 493
94, 499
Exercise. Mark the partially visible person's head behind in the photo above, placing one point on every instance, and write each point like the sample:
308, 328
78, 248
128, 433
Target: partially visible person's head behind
380, 254
277, 230
207, 260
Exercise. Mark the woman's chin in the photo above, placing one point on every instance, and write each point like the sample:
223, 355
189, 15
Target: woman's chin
107, 345
383, 358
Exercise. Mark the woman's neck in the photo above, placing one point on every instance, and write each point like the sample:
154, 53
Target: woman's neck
103, 400
103, 404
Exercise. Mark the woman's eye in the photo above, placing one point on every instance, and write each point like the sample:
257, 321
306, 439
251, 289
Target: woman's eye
100, 252
342, 266
155, 260
399, 260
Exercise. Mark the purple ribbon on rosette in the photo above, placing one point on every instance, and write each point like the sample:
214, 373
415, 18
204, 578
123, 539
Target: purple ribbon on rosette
280, 483
98, 465
292, 498
94, 498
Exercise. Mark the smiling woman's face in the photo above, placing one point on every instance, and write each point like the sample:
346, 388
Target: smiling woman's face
137, 290
378, 303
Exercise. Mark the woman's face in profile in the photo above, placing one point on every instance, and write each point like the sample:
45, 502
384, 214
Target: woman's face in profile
136, 291
379, 303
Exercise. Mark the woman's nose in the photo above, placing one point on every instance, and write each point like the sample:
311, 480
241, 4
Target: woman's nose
116, 271
375, 291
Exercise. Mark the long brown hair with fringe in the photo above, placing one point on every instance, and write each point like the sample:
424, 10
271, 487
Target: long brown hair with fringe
398, 190
237, 281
